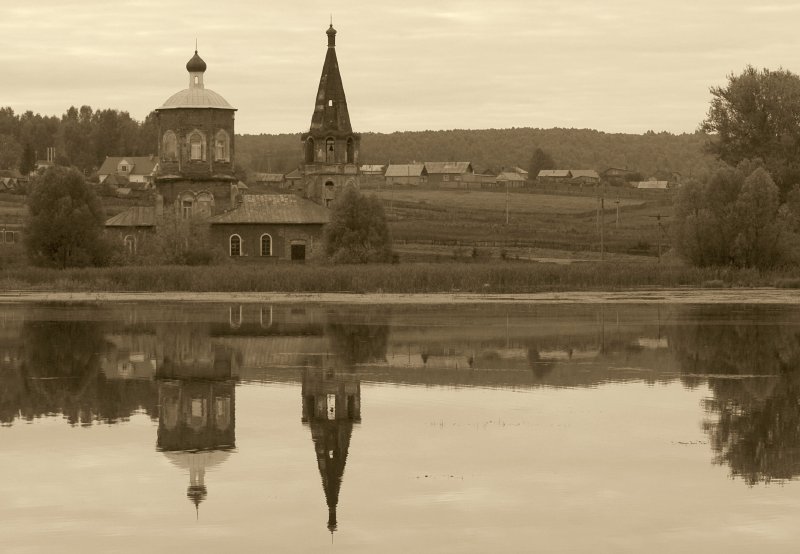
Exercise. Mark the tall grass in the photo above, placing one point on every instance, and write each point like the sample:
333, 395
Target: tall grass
478, 277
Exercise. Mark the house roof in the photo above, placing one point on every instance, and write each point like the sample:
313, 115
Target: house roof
448, 167
555, 173
273, 208
372, 168
269, 177
591, 173
405, 170
294, 174
137, 216
141, 165
510, 176
652, 184
519, 170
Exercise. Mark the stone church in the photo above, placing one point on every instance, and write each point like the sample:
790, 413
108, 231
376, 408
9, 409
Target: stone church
196, 180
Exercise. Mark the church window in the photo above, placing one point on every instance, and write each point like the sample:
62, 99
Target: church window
235, 317
236, 245
222, 146
350, 151
309, 150
330, 102
198, 407
130, 244
331, 405
266, 245
196, 146
266, 317
330, 154
170, 151
9, 237
123, 168
196, 80
186, 209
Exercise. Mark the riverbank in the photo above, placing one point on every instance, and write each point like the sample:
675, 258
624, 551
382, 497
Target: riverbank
497, 277
661, 296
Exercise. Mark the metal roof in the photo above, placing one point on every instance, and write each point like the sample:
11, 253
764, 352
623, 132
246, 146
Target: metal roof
554, 173
510, 176
652, 185
140, 165
137, 216
448, 167
591, 173
405, 170
294, 174
196, 97
274, 208
269, 177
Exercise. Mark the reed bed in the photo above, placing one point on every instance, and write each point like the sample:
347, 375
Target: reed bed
477, 277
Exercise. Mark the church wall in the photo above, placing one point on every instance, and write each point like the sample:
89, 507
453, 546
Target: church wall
182, 122
282, 238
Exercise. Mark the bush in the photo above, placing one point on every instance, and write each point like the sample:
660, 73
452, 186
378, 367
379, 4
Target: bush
358, 232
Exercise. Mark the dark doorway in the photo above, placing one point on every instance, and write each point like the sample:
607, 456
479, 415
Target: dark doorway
298, 252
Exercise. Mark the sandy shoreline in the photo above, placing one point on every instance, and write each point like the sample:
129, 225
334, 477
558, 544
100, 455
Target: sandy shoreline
650, 296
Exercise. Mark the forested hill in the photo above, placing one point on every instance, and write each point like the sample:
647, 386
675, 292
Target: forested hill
650, 154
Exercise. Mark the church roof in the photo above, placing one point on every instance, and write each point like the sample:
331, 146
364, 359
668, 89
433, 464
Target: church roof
330, 111
275, 209
137, 216
196, 98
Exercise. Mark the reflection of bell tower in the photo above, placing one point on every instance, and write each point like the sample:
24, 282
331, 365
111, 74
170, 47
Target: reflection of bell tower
196, 424
331, 405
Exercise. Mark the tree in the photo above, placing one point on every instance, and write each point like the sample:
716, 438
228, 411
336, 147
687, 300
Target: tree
735, 219
27, 162
540, 160
10, 152
755, 116
65, 221
358, 232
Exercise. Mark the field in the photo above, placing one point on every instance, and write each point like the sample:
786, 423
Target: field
436, 224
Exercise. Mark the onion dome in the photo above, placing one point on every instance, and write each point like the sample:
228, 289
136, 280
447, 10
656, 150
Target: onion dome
196, 64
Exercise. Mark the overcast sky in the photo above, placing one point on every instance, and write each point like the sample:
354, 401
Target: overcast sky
615, 65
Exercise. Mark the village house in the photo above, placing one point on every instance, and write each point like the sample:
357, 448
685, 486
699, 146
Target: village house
584, 176
413, 174
554, 175
447, 174
137, 171
510, 179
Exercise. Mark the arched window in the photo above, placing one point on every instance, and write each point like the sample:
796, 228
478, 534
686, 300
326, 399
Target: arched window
236, 245
266, 245
266, 317
170, 147
222, 147
235, 317
196, 146
330, 152
309, 150
351, 151
130, 244
187, 204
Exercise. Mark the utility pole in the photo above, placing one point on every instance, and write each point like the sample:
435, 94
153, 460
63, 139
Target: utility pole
506, 201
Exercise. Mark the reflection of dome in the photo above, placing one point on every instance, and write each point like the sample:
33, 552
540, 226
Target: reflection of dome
196, 98
201, 459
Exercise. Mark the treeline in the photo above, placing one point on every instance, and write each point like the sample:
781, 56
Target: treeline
82, 137
651, 154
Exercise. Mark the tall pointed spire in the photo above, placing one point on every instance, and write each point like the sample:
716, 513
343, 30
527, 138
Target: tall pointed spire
330, 112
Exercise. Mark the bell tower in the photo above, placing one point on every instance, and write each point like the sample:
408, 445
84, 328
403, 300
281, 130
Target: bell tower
330, 148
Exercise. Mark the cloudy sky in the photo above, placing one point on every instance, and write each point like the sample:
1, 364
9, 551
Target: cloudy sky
612, 65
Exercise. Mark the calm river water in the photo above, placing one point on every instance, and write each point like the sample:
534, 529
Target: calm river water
486, 428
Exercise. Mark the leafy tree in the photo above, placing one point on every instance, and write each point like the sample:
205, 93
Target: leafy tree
540, 160
358, 232
755, 116
65, 221
735, 219
27, 162
10, 152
